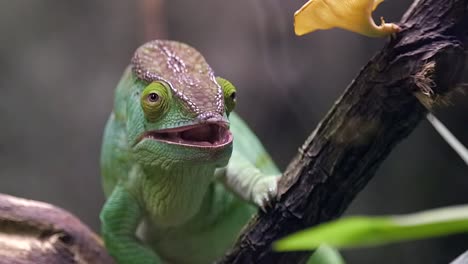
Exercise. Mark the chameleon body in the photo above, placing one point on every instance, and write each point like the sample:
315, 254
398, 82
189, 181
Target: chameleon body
182, 173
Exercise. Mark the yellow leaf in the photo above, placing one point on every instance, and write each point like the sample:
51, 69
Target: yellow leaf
352, 15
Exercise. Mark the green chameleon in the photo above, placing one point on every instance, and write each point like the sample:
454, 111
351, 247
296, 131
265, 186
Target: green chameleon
181, 179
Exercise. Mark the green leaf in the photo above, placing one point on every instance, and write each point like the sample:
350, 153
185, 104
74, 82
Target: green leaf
372, 231
326, 255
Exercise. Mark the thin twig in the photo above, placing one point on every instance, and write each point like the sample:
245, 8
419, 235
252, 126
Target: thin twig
456, 145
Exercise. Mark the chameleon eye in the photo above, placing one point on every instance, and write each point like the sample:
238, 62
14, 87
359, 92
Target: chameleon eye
233, 96
153, 97
155, 100
230, 95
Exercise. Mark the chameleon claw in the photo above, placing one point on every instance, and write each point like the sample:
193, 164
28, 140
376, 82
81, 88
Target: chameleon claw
265, 205
264, 192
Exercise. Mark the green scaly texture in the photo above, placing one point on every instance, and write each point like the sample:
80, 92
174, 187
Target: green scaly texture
171, 199
172, 202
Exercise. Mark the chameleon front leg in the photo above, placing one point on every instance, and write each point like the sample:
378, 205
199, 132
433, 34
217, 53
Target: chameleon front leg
120, 218
248, 182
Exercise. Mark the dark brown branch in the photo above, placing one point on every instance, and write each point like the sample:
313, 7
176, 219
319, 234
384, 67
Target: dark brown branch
38, 233
377, 111
153, 14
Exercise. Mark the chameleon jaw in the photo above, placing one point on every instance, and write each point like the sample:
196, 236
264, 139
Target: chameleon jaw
204, 135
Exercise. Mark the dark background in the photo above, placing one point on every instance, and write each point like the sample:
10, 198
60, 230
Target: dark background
60, 62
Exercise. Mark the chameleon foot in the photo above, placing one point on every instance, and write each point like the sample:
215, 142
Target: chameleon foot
264, 192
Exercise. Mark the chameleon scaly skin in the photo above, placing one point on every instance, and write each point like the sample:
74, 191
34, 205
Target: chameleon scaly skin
170, 166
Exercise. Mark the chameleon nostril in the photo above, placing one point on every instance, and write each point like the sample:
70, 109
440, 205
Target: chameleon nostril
211, 117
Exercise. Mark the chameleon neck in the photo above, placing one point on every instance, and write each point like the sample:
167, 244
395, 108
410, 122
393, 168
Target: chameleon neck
174, 195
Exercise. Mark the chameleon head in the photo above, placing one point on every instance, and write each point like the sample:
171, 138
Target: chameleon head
177, 111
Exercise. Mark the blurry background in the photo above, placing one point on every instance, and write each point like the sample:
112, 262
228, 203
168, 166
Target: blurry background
60, 62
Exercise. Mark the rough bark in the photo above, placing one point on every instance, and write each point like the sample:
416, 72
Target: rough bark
36, 232
377, 111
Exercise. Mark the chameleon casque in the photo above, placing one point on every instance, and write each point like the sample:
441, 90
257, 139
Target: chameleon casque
181, 172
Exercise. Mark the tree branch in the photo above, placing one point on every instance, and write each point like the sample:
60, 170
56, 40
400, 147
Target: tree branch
153, 14
39, 233
378, 110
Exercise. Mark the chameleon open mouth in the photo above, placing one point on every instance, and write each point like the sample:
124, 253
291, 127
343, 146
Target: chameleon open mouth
211, 135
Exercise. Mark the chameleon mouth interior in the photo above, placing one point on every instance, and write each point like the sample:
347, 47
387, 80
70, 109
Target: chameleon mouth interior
202, 135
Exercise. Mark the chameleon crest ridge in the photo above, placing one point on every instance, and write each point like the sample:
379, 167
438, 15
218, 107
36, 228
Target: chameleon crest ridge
185, 70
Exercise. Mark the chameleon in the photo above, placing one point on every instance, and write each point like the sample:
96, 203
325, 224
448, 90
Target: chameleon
181, 171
